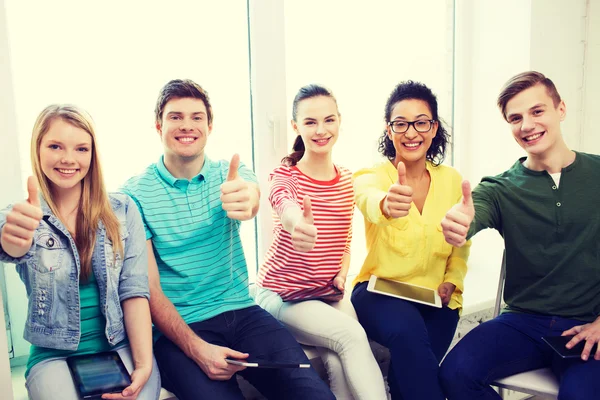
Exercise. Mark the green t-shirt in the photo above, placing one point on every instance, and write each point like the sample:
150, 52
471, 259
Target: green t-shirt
551, 236
93, 324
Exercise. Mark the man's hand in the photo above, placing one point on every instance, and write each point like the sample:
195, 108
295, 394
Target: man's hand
445, 291
236, 194
588, 332
457, 221
397, 202
304, 235
211, 359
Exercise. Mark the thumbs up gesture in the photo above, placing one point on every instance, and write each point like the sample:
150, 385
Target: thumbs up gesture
399, 197
304, 235
21, 223
237, 196
457, 221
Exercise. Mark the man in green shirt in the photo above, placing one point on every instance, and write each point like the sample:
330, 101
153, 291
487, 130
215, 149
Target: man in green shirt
545, 209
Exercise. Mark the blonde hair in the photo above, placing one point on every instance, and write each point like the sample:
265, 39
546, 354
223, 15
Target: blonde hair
94, 204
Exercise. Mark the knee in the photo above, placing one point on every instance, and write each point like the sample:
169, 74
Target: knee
572, 388
352, 336
458, 372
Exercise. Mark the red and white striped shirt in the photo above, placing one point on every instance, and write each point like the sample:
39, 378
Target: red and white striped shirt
332, 202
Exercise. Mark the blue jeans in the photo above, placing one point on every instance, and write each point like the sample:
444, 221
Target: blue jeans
510, 344
250, 330
417, 336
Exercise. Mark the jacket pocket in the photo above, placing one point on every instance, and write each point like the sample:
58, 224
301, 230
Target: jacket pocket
50, 252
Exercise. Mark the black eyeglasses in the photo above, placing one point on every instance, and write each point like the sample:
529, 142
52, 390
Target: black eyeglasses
421, 125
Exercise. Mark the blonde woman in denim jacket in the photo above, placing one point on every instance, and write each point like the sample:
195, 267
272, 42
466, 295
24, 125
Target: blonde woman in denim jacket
82, 257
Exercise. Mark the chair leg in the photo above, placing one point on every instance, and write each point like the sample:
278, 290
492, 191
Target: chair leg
501, 392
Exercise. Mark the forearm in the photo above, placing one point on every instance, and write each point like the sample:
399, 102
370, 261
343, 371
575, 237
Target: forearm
345, 266
254, 199
290, 217
139, 330
13, 250
168, 321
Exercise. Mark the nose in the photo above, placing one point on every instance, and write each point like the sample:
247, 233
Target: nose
411, 133
67, 158
186, 125
528, 124
321, 128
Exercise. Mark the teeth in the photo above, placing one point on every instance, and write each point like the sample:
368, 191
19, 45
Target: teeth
412, 144
533, 137
186, 140
67, 171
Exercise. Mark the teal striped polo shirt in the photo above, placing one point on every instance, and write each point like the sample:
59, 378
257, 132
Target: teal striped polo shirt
197, 247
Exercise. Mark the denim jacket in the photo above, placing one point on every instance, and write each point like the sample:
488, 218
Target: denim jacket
50, 272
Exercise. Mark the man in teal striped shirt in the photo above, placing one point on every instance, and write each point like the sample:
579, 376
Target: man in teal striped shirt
546, 209
192, 208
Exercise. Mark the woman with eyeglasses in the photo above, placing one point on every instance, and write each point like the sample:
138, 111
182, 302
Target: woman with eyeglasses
403, 201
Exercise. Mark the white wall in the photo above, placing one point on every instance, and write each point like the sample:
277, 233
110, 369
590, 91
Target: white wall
590, 138
10, 176
487, 54
557, 42
494, 41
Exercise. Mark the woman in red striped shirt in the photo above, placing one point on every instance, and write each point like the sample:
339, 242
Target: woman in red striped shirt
301, 282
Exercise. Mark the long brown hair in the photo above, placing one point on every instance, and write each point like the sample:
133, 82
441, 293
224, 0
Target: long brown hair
94, 205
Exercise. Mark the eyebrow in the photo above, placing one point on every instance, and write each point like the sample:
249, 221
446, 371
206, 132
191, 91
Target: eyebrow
53, 141
509, 116
314, 119
416, 118
180, 113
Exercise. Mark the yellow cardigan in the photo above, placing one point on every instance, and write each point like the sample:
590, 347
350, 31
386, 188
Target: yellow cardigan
411, 249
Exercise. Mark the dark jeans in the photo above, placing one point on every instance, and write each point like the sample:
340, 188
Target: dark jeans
250, 330
510, 344
417, 336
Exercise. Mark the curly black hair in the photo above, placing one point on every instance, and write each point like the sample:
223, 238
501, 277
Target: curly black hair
410, 90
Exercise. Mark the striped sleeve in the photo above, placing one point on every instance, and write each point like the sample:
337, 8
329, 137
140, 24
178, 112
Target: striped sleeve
283, 190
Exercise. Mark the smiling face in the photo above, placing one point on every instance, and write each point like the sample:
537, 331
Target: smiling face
535, 120
65, 155
184, 128
412, 146
318, 123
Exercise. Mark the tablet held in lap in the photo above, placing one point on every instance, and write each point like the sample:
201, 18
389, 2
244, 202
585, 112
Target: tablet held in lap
405, 291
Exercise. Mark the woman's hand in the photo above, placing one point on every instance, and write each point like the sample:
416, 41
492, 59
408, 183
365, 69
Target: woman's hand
139, 377
445, 291
339, 281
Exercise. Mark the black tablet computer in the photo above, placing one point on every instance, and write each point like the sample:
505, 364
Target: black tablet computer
96, 374
558, 344
261, 363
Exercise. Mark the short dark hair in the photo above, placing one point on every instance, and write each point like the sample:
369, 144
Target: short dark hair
305, 92
410, 90
524, 81
178, 89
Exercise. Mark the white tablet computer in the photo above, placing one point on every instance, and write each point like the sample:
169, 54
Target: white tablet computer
406, 291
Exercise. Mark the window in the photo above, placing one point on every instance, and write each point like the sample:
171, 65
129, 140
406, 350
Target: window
361, 53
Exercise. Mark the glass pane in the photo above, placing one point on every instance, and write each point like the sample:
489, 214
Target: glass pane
361, 53
112, 58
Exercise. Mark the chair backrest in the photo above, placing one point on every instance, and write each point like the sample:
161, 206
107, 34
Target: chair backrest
500, 293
